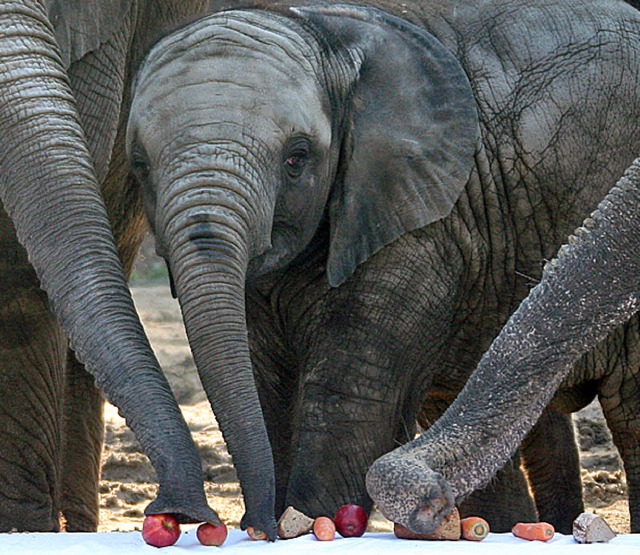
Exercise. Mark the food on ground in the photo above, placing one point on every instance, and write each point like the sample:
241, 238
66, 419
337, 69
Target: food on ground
324, 529
449, 529
293, 523
160, 530
210, 534
474, 528
540, 531
591, 528
256, 534
351, 521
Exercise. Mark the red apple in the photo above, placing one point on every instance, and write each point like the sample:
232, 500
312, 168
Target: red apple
209, 534
161, 530
351, 521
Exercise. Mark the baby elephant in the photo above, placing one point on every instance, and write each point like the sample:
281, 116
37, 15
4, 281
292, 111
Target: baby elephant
352, 200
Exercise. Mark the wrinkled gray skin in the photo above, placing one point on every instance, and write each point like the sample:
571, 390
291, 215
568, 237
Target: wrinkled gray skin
585, 294
352, 204
64, 67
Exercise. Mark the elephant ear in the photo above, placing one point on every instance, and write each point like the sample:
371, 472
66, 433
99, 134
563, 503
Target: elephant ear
414, 133
81, 26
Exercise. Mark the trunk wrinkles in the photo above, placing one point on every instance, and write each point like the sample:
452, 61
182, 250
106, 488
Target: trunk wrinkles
209, 255
67, 235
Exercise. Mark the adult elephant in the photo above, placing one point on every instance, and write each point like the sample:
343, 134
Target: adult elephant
353, 200
64, 68
585, 294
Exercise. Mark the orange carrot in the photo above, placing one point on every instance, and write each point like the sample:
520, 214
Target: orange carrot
541, 531
324, 529
474, 528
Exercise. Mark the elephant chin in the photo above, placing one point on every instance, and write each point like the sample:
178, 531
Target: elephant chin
408, 492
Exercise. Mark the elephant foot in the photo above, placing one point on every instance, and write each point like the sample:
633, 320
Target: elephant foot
81, 519
266, 525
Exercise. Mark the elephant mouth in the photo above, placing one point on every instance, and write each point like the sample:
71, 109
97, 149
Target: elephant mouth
275, 259
264, 265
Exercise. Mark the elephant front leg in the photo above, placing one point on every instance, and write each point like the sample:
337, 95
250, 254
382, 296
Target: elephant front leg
625, 432
629, 446
32, 359
82, 447
276, 377
620, 399
346, 416
276, 387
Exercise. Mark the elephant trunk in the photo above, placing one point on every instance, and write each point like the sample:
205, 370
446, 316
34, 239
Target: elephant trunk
49, 190
586, 292
209, 250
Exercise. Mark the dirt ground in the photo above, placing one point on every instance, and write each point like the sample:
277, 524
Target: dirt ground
128, 480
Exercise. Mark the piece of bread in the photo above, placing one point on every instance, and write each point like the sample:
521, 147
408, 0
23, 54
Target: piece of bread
293, 523
449, 529
591, 528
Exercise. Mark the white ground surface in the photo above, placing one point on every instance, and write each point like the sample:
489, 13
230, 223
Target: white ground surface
131, 543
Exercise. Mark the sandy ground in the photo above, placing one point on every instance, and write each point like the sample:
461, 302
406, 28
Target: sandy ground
128, 483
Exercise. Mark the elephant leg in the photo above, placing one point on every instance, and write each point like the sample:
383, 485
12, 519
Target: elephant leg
619, 396
82, 447
276, 383
625, 432
32, 360
275, 398
341, 424
552, 463
337, 437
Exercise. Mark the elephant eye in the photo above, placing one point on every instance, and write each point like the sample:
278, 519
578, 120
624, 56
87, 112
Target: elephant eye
141, 171
296, 158
295, 164
139, 166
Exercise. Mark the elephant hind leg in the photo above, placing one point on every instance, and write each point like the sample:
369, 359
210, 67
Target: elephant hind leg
552, 463
627, 441
82, 447
620, 400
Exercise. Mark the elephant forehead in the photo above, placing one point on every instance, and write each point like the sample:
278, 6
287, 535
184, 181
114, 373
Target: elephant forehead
263, 83
228, 79
203, 109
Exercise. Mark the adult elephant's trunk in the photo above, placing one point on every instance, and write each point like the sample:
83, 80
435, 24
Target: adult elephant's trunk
587, 291
206, 231
48, 188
